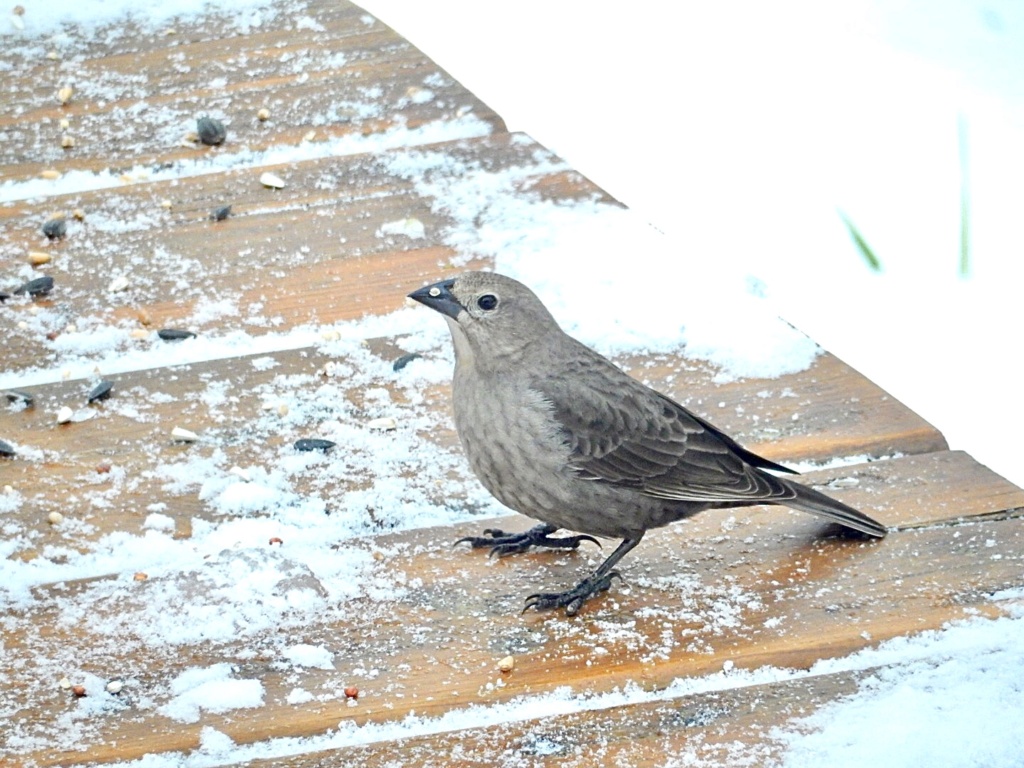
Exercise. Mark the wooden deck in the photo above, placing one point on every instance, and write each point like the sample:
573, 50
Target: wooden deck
702, 602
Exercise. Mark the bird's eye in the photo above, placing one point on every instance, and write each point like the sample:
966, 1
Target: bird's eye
487, 302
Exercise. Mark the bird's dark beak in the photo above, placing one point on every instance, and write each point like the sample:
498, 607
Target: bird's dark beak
439, 296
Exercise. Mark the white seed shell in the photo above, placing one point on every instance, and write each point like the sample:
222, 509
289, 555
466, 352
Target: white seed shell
506, 664
185, 435
387, 423
64, 415
118, 284
412, 228
272, 180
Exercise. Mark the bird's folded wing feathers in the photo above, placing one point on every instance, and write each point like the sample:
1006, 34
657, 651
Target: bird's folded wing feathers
621, 432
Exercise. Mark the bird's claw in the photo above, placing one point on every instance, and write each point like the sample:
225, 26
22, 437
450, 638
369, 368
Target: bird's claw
502, 543
573, 599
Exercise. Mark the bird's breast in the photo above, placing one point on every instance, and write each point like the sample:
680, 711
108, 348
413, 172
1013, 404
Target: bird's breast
512, 441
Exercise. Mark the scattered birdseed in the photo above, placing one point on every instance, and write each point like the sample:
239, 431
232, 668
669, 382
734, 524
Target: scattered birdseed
506, 664
184, 435
211, 131
404, 360
64, 94
55, 518
38, 258
272, 180
38, 287
115, 686
101, 391
386, 424
6, 449
56, 228
219, 214
20, 396
174, 334
263, 114
118, 284
64, 415
313, 444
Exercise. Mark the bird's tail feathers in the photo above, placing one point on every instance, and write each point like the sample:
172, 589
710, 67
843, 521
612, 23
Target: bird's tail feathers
810, 500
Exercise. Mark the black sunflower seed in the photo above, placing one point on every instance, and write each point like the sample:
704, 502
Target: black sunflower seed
6, 449
404, 360
20, 396
313, 444
211, 132
56, 228
174, 334
101, 391
38, 287
219, 214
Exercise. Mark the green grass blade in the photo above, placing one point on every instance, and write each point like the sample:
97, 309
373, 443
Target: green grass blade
862, 244
965, 202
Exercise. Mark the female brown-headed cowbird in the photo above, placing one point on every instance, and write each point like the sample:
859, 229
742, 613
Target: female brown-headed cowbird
557, 432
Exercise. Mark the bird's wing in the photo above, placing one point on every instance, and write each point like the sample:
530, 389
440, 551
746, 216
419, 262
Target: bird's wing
624, 433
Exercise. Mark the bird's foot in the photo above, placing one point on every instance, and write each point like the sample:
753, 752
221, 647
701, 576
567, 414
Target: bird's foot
502, 543
573, 599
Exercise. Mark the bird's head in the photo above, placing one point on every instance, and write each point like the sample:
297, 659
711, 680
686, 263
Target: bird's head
488, 314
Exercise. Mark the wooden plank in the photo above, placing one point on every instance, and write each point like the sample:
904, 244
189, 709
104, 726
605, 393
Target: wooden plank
749, 587
839, 410
312, 252
727, 727
753, 586
323, 65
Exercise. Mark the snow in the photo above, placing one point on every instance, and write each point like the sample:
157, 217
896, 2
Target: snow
213, 689
742, 131
767, 126
932, 701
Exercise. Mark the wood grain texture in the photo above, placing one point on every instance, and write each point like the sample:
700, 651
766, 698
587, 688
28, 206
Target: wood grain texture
419, 627
320, 66
839, 410
755, 587
316, 251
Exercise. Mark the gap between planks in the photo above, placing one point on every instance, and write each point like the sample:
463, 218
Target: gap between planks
809, 598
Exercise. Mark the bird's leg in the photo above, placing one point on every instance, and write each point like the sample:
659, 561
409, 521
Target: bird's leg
502, 543
597, 582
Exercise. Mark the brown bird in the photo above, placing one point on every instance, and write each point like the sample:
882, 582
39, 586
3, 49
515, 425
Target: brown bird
559, 433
